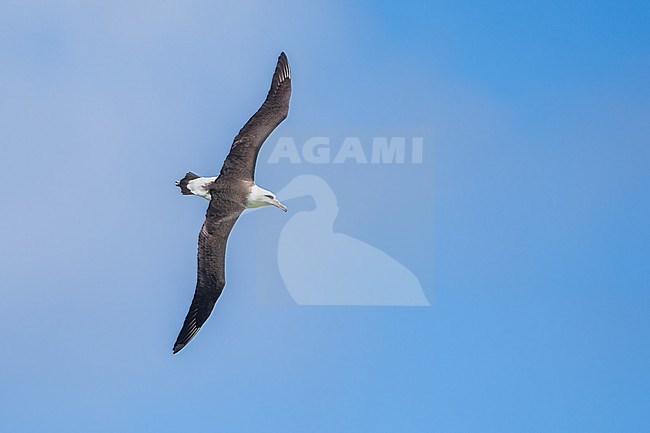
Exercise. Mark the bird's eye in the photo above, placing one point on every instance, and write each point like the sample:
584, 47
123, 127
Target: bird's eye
269, 196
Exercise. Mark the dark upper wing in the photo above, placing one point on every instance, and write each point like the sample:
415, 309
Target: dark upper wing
220, 218
240, 162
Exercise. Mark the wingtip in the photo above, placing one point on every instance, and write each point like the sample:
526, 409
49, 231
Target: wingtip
282, 70
178, 347
188, 332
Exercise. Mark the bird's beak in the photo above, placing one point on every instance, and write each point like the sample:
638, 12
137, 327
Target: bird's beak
279, 205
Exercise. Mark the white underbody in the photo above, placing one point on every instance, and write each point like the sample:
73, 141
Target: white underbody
199, 186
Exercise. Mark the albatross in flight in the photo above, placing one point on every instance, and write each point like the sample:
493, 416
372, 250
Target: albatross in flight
229, 194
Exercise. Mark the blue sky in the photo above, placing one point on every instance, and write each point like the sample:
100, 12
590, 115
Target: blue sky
528, 228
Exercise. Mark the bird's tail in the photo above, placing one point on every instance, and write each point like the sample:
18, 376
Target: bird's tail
182, 184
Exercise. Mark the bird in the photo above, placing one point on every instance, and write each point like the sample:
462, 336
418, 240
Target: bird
229, 194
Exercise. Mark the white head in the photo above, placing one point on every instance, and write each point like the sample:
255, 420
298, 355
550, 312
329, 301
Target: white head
259, 197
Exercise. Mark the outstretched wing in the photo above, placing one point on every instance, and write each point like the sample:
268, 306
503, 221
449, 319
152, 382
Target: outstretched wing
211, 279
240, 162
